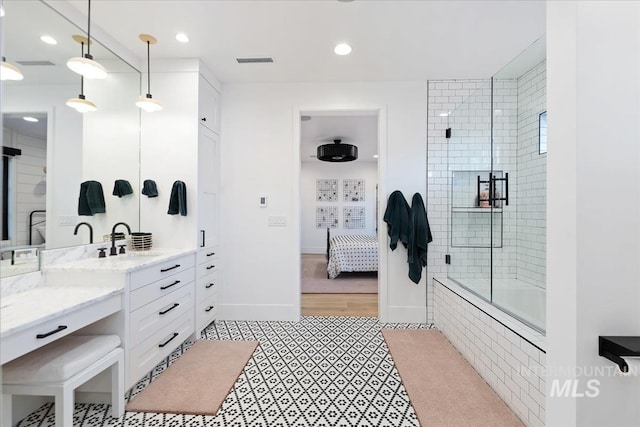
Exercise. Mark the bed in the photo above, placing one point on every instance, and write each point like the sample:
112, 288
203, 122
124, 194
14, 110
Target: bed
351, 253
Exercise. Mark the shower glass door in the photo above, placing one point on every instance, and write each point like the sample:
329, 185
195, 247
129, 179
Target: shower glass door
471, 229
496, 146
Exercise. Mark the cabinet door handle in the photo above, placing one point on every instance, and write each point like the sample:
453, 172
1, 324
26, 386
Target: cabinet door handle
204, 119
162, 288
169, 309
208, 309
55, 331
175, 334
203, 238
209, 267
164, 270
209, 285
211, 254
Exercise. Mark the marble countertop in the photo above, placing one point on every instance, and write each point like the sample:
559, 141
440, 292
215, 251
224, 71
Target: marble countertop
23, 310
120, 263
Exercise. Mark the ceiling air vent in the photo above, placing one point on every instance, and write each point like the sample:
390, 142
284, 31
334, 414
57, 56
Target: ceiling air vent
253, 60
30, 63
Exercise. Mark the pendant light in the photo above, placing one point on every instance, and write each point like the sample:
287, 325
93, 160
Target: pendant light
81, 104
85, 65
147, 103
9, 71
337, 152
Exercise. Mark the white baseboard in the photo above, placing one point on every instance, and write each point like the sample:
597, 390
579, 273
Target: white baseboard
406, 314
273, 312
322, 250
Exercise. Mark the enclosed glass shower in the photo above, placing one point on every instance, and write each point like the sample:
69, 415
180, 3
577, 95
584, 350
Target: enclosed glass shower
496, 151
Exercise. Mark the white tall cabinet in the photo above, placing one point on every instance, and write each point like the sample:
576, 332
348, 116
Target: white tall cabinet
181, 143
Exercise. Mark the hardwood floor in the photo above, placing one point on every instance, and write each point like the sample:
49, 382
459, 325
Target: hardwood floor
361, 305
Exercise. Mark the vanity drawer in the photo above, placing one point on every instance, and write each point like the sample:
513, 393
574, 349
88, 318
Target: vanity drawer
206, 311
207, 254
165, 286
154, 316
207, 267
145, 356
15, 345
207, 284
161, 270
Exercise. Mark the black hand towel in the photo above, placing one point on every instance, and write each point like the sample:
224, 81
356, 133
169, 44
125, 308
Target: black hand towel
397, 218
178, 199
149, 188
91, 200
122, 187
419, 237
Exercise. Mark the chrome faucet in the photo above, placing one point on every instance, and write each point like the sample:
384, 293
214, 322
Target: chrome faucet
113, 237
75, 232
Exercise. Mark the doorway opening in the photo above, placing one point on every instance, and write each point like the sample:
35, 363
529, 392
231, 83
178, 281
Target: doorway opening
338, 202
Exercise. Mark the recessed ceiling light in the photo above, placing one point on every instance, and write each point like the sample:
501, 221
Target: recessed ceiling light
342, 49
1, 11
182, 38
375, 156
49, 40
30, 119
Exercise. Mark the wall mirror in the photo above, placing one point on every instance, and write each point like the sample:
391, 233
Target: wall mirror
47, 161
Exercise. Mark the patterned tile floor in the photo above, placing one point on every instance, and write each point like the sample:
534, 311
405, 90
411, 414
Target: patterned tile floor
320, 372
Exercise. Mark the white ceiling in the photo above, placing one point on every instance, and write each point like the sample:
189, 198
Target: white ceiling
358, 130
391, 39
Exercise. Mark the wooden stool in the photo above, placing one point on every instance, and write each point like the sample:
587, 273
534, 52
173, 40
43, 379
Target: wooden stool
58, 368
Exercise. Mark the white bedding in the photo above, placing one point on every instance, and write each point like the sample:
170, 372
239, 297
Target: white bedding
351, 254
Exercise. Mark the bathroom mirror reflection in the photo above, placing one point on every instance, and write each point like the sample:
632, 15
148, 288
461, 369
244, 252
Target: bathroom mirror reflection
101, 146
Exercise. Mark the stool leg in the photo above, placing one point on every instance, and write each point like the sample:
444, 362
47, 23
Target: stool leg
64, 406
117, 387
7, 403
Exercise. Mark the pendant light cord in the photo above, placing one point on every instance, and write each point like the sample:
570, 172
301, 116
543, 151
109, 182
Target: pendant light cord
89, 30
148, 68
81, 76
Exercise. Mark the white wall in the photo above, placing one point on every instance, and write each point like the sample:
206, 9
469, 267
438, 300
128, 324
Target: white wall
258, 155
314, 239
593, 273
111, 149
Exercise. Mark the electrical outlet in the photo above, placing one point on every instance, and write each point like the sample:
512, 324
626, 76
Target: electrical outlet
277, 221
67, 220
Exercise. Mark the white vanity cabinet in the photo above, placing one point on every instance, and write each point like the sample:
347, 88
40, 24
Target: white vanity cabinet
161, 300
182, 142
207, 287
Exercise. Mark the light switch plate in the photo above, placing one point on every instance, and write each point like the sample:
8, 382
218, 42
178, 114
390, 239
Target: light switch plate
262, 201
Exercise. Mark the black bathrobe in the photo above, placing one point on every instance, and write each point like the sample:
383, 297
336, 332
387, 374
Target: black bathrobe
397, 218
419, 237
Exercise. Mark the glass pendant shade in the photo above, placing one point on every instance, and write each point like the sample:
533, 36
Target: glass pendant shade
148, 104
84, 64
87, 67
9, 71
81, 105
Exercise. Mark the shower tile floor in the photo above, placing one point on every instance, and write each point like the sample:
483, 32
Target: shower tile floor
320, 372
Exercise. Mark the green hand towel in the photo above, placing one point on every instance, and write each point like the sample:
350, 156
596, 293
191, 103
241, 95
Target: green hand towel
122, 187
178, 199
91, 199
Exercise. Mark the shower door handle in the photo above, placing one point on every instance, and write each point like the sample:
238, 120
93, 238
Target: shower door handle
492, 189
